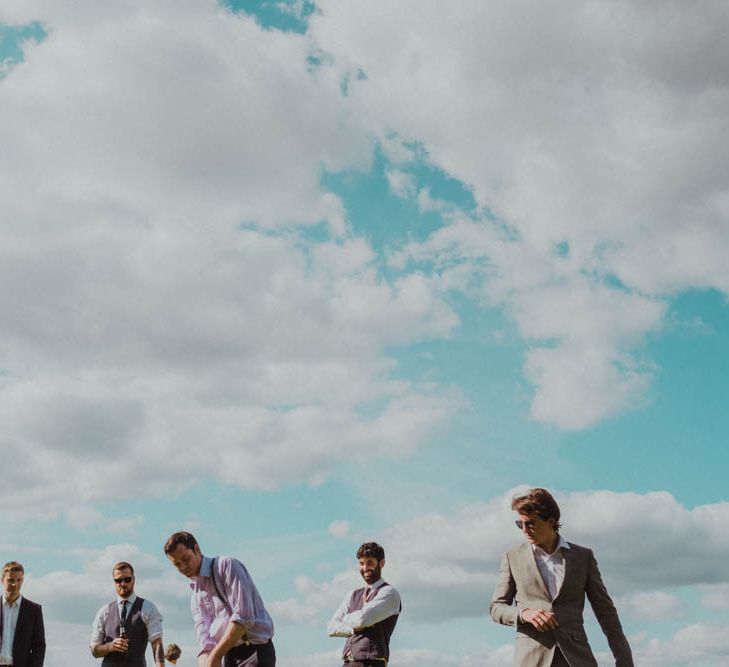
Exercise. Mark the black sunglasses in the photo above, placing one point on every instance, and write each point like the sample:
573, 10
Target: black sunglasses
123, 580
524, 524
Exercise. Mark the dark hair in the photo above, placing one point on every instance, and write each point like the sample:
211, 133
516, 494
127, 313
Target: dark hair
122, 565
181, 537
540, 502
372, 550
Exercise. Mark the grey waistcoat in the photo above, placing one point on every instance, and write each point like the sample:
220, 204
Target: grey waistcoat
373, 642
136, 634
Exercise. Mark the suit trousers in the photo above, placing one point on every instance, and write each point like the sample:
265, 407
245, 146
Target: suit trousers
559, 660
251, 655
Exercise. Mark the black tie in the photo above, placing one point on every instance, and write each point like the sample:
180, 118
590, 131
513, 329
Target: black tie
124, 611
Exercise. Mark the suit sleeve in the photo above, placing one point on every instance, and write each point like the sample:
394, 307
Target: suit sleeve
38, 640
607, 615
502, 603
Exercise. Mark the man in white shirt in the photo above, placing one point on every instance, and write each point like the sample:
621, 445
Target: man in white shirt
367, 615
22, 635
541, 590
123, 627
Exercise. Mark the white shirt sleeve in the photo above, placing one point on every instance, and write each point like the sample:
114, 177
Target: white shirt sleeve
385, 604
97, 629
152, 619
336, 626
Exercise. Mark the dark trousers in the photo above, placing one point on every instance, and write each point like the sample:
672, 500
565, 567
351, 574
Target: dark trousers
251, 655
559, 660
365, 663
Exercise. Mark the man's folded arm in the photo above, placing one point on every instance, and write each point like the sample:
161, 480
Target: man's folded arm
385, 604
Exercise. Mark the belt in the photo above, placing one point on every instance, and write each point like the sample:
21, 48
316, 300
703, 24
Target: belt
351, 658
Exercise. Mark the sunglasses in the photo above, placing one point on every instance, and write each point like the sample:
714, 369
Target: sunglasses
123, 580
521, 525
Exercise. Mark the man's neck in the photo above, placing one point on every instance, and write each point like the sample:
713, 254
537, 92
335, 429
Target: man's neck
550, 546
11, 601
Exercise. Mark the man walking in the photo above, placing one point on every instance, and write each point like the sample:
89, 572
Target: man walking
22, 635
123, 627
367, 615
232, 625
547, 579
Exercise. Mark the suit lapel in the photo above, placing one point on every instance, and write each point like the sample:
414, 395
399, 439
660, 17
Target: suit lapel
569, 569
534, 576
21, 623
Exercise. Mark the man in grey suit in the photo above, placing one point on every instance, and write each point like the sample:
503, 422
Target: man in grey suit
541, 590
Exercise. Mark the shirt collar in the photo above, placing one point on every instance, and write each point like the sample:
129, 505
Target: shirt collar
130, 599
16, 603
206, 569
380, 582
561, 544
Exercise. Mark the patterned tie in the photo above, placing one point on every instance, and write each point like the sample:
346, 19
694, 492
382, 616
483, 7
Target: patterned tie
368, 590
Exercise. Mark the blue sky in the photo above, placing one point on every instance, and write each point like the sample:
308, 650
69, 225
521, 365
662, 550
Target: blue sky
299, 275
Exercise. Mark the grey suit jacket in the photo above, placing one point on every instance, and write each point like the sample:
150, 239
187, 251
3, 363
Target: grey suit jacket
521, 586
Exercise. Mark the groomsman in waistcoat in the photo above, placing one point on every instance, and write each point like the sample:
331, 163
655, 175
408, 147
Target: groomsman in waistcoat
542, 588
123, 628
367, 615
22, 635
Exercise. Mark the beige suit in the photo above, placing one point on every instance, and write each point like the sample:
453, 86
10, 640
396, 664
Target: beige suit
520, 582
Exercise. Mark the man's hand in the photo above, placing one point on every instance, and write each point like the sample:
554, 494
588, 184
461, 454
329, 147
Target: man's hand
542, 620
119, 644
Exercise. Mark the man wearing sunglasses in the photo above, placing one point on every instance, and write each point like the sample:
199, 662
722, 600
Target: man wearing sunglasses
124, 626
541, 590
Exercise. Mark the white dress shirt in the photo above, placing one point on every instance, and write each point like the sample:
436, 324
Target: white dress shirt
10, 621
150, 615
385, 604
551, 566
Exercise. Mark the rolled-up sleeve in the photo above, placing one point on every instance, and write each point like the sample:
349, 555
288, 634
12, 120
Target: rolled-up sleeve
97, 629
336, 626
245, 602
152, 619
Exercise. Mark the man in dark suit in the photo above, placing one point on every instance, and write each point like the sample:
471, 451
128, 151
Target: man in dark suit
542, 588
22, 635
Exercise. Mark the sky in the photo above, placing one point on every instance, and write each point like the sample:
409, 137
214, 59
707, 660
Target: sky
300, 275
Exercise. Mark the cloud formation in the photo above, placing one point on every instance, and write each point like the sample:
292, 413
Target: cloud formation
161, 298
594, 141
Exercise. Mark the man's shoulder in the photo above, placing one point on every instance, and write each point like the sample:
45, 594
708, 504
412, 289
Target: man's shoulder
389, 588
579, 549
518, 551
29, 604
147, 604
225, 562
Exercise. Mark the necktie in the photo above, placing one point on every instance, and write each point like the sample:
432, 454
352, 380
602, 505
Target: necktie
368, 590
124, 611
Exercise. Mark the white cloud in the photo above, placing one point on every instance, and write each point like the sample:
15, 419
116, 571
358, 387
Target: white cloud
598, 152
698, 645
158, 296
339, 528
715, 596
401, 183
651, 604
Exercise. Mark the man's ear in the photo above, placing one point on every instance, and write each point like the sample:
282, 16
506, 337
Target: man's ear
382, 563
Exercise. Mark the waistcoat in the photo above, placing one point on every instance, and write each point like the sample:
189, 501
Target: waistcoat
136, 631
373, 642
